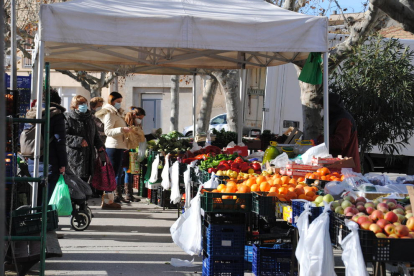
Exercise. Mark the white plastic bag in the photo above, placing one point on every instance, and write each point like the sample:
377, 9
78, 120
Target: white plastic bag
316, 151
165, 175
301, 253
154, 170
352, 252
212, 183
175, 196
186, 231
280, 161
141, 151
318, 246
195, 147
187, 183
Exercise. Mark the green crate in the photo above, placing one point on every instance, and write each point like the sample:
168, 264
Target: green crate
214, 202
29, 220
263, 205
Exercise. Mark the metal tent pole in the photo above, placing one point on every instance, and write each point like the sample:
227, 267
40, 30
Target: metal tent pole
240, 117
34, 80
325, 100
13, 47
39, 90
194, 105
2, 141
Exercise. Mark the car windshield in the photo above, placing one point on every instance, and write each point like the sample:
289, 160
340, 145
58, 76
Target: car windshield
218, 120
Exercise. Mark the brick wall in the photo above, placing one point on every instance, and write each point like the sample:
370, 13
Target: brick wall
396, 32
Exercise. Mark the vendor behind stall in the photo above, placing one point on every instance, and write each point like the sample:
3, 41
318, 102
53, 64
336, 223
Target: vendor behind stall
343, 135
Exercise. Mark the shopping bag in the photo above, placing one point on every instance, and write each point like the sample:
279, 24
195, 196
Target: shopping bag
78, 188
141, 151
165, 175
133, 163
175, 196
186, 231
318, 246
104, 176
61, 198
301, 253
154, 170
352, 252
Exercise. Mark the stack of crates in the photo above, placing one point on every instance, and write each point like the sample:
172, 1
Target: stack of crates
223, 243
273, 260
163, 198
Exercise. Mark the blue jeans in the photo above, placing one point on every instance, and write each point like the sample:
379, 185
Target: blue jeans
115, 155
128, 176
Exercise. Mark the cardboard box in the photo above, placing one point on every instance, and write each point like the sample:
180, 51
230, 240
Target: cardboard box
242, 151
343, 163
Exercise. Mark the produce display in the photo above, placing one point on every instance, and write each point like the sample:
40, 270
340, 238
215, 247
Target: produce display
169, 143
229, 165
386, 218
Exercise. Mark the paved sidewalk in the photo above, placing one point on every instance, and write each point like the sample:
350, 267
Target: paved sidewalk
133, 241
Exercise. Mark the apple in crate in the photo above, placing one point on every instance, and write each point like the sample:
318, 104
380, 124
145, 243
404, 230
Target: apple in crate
401, 230
365, 225
382, 223
389, 229
376, 215
363, 219
375, 228
410, 224
381, 235
391, 217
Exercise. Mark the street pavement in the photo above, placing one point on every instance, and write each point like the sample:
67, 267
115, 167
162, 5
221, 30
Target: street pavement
133, 241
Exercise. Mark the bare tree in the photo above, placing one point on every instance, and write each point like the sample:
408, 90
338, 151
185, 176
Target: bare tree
401, 11
175, 98
209, 93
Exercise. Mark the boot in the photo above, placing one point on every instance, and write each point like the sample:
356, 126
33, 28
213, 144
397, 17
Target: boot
129, 191
118, 196
108, 202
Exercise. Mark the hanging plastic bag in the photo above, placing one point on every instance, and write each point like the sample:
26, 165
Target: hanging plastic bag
154, 170
318, 246
301, 253
187, 184
352, 252
133, 163
354, 179
280, 161
141, 151
175, 183
212, 183
186, 231
165, 175
316, 151
61, 198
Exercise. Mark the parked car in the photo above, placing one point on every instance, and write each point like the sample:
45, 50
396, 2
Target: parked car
219, 122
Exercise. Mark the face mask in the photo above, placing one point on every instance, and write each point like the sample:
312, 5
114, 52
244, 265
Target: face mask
138, 121
117, 105
82, 108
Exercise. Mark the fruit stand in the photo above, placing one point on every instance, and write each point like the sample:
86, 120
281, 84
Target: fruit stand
250, 216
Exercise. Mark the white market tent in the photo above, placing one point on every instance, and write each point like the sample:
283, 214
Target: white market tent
175, 37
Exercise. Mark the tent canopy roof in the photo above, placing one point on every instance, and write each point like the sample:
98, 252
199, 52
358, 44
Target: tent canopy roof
176, 36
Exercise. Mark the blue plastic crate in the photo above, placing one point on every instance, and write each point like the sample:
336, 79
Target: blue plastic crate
272, 261
223, 266
224, 240
298, 208
248, 257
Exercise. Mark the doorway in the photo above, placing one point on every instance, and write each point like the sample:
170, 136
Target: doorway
152, 118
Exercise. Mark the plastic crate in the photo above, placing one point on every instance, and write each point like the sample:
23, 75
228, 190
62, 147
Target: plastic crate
273, 261
163, 199
25, 221
225, 218
393, 250
224, 239
338, 231
154, 196
299, 206
223, 265
248, 257
264, 205
226, 202
270, 233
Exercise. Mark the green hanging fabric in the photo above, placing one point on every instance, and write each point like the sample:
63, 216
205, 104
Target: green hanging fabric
311, 72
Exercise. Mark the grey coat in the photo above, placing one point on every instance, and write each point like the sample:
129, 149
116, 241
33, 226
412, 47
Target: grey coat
81, 126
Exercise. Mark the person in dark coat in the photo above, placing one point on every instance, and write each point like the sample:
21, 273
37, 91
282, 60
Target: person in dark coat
96, 104
82, 138
57, 146
343, 135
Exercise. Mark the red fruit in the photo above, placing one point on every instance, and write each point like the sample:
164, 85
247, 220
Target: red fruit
389, 229
391, 217
381, 235
362, 219
382, 205
375, 228
393, 236
256, 166
376, 215
382, 223
410, 224
369, 210
366, 225
401, 230
361, 199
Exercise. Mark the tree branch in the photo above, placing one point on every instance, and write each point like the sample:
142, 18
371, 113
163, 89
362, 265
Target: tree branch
84, 84
400, 10
374, 20
294, 5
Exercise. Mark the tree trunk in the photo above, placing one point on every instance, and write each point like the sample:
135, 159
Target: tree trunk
175, 90
96, 91
312, 121
229, 81
209, 93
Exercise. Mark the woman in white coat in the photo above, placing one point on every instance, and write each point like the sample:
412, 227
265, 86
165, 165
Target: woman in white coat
115, 127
